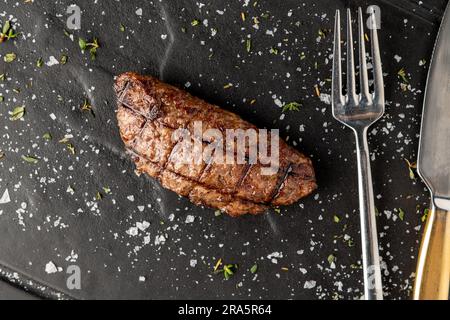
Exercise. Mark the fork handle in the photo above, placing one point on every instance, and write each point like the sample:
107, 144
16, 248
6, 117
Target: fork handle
433, 267
369, 236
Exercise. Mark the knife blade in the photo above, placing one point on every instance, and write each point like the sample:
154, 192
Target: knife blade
433, 268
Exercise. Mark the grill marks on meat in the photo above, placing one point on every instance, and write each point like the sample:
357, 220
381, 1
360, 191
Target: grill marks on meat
149, 112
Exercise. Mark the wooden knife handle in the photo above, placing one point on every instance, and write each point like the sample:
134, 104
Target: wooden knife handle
433, 267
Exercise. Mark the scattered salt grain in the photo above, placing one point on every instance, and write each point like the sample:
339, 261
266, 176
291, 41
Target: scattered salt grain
160, 240
273, 257
309, 284
189, 219
50, 268
52, 61
325, 98
143, 225
5, 198
133, 231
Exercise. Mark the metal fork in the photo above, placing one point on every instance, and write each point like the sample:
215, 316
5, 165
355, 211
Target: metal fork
359, 112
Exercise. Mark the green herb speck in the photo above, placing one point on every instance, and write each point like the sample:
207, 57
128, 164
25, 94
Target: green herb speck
82, 43
7, 32
402, 74
411, 166
229, 270
273, 50
331, 259
86, 106
92, 46
426, 213
47, 136
17, 113
292, 106
71, 148
63, 59
9, 57
248, 45
30, 159
401, 214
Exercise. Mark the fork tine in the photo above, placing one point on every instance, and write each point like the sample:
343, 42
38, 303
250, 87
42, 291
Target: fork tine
364, 78
336, 84
377, 68
351, 85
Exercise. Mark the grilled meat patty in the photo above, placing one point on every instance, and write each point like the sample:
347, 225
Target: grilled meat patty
150, 111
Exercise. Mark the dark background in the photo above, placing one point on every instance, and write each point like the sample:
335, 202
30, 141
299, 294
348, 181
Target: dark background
44, 223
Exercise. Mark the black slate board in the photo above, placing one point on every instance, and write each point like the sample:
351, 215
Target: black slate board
45, 223
9, 292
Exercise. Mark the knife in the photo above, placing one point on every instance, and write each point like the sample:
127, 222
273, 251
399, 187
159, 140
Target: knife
433, 267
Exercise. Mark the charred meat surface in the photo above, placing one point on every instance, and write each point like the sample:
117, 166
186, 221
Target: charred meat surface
149, 114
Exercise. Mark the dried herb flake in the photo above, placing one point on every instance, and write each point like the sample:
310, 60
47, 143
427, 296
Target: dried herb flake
30, 159
7, 32
248, 45
331, 259
9, 57
17, 113
63, 59
47, 136
401, 214
92, 46
411, 166
291, 106
402, 74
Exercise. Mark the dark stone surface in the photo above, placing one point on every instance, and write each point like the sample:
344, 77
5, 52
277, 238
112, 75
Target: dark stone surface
45, 223
9, 292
